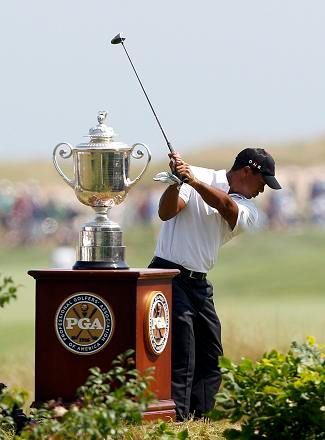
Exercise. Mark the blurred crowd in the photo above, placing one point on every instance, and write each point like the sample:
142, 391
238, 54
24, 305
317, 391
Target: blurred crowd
30, 214
285, 208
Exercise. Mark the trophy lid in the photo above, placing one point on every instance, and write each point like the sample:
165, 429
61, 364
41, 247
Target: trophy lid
101, 136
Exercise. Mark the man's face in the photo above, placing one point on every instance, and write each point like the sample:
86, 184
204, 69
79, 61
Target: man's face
252, 183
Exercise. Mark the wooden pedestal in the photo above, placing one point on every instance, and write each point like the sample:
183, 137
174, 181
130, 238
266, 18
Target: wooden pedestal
59, 371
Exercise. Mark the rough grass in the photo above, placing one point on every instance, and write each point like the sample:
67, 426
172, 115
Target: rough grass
198, 430
7, 435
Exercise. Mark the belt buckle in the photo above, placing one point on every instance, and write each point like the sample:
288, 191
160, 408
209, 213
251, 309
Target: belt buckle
190, 275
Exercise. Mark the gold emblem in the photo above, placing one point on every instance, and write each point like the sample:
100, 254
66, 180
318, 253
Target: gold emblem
157, 323
84, 323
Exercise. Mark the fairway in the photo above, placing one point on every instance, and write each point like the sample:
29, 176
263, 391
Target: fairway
269, 290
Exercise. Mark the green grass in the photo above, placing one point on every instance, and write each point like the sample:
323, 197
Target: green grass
272, 264
269, 290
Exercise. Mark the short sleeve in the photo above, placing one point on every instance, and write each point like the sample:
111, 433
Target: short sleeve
247, 219
185, 192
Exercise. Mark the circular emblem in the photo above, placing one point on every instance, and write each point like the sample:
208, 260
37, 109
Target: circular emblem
84, 323
157, 323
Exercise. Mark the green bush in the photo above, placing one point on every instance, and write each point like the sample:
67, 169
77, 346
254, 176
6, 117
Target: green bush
105, 408
105, 405
11, 402
7, 290
279, 397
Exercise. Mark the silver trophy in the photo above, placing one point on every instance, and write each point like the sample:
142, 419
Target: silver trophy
101, 180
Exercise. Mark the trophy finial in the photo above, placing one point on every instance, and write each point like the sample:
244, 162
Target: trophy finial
102, 115
101, 131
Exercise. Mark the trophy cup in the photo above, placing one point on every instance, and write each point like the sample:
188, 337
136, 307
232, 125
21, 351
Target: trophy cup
101, 180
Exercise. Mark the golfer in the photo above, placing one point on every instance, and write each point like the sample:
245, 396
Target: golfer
199, 217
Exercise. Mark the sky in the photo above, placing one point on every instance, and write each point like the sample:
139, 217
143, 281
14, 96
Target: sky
215, 71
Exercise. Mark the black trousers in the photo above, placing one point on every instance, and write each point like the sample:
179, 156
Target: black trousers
196, 344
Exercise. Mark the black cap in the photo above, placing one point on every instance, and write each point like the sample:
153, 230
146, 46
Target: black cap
260, 160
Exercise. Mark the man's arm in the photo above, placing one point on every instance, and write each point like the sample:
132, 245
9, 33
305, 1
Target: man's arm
218, 199
214, 197
170, 203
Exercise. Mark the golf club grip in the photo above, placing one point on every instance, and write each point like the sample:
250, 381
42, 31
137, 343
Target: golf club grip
182, 179
170, 147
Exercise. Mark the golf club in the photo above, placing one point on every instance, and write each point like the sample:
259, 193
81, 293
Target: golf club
118, 39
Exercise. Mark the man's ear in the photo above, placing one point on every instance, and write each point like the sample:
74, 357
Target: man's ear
247, 170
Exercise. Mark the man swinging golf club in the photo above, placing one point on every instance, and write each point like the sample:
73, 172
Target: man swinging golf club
198, 218
202, 209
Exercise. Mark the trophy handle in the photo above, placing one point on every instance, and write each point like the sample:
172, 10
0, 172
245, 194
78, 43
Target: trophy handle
65, 153
138, 154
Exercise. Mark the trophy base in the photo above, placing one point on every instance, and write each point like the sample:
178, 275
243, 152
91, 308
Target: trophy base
97, 265
100, 245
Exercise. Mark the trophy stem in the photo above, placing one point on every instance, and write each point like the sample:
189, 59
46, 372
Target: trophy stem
101, 217
100, 244
101, 213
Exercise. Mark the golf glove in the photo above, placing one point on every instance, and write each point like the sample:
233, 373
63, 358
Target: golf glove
167, 177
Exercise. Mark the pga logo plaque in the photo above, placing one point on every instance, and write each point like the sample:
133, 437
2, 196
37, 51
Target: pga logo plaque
157, 323
84, 323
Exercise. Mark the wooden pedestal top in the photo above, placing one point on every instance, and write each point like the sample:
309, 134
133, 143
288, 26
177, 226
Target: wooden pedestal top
111, 274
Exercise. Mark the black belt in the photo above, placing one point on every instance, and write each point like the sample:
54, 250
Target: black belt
165, 264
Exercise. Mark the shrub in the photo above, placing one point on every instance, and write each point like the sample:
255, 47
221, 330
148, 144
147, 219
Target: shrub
103, 408
12, 418
7, 291
279, 397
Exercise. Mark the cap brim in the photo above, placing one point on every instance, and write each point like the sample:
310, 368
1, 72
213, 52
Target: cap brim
271, 182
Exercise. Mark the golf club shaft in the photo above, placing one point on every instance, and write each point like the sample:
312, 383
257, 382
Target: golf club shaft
171, 149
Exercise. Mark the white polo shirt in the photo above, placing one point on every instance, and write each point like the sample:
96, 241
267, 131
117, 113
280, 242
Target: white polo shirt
193, 237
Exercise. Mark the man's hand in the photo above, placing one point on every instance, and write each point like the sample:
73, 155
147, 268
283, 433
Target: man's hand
181, 168
174, 159
184, 171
